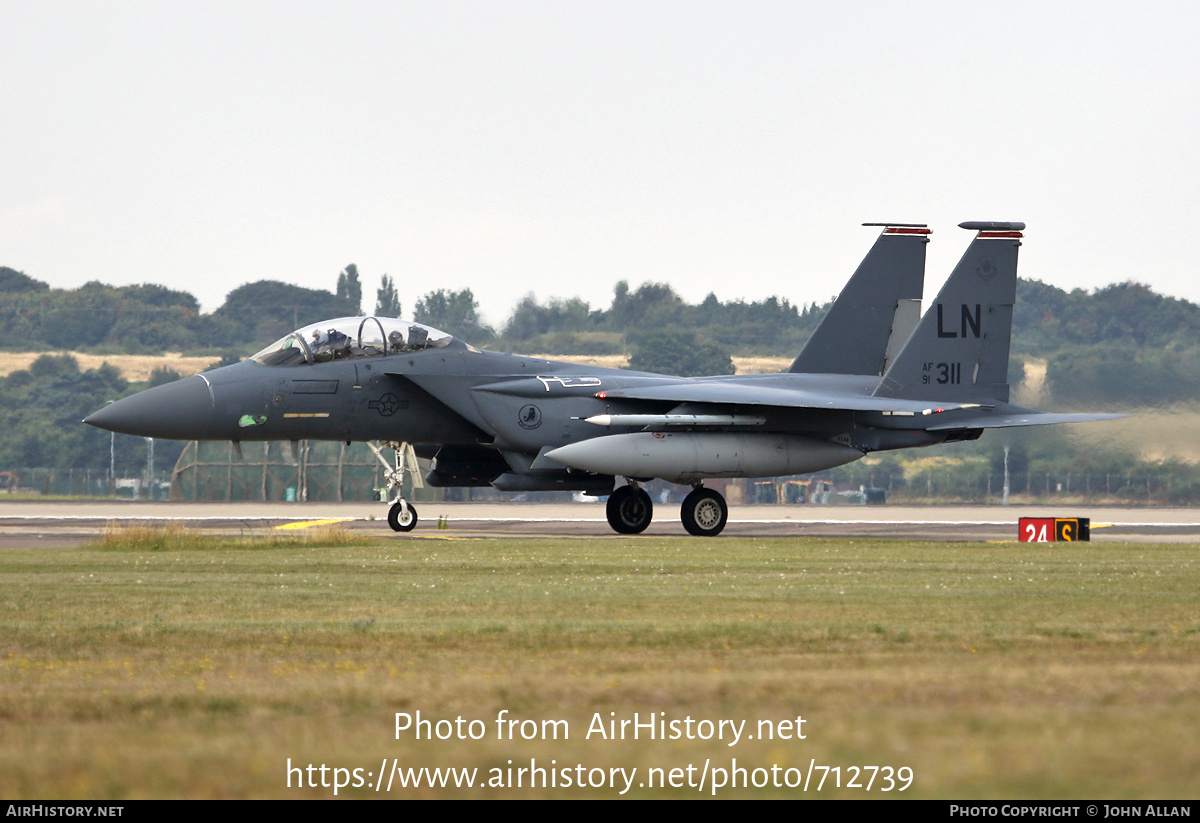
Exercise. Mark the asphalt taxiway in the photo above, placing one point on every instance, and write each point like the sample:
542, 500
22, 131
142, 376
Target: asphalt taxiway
55, 523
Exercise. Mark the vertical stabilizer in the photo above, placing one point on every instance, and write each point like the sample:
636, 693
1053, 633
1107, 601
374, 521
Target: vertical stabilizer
876, 311
959, 351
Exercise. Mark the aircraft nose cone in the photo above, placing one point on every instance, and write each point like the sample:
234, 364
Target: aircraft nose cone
181, 410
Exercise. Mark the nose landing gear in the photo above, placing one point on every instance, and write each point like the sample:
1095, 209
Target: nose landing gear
402, 515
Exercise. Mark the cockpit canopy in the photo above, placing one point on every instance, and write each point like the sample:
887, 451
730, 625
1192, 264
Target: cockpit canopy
350, 337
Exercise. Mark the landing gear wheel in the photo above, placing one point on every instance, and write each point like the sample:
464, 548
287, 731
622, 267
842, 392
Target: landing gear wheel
629, 510
402, 518
704, 513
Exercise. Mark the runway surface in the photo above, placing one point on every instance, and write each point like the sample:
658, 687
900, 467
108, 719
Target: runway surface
36, 523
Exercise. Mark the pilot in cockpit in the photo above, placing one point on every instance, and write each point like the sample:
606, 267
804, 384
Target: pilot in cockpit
339, 342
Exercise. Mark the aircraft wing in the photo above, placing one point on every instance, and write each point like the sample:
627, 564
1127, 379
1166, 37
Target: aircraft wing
745, 394
752, 394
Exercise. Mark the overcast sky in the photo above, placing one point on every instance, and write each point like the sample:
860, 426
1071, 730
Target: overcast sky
558, 147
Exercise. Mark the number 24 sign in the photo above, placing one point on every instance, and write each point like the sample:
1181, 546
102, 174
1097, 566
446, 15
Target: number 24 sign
1054, 529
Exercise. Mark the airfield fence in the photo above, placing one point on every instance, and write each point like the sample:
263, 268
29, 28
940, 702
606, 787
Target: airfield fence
1174, 488
274, 471
71, 483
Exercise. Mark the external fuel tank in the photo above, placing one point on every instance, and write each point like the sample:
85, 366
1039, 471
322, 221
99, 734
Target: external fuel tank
687, 457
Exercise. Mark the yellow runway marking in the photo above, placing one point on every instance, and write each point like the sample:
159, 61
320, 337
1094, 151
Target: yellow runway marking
306, 524
415, 536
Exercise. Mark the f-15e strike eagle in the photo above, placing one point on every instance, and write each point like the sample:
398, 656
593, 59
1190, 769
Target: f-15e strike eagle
874, 376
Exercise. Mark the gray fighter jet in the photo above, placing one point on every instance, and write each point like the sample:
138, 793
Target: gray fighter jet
874, 376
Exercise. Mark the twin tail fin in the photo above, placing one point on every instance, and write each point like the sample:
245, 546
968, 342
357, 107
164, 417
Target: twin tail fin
876, 311
959, 351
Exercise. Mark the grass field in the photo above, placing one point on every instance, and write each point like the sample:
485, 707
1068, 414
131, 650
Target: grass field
180, 667
135, 367
138, 367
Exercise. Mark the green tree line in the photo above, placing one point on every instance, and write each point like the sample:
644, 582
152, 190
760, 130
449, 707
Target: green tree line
41, 409
1122, 345
1119, 344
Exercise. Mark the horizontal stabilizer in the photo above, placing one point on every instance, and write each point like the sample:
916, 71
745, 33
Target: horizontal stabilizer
1029, 418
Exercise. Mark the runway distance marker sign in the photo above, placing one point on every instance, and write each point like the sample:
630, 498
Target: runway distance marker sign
1054, 529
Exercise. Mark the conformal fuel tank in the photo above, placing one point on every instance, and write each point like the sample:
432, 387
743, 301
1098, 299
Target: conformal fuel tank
692, 456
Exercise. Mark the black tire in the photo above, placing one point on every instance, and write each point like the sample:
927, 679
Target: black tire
629, 510
398, 521
704, 513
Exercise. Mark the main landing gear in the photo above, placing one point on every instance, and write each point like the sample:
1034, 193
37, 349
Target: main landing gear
402, 515
703, 513
629, 509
